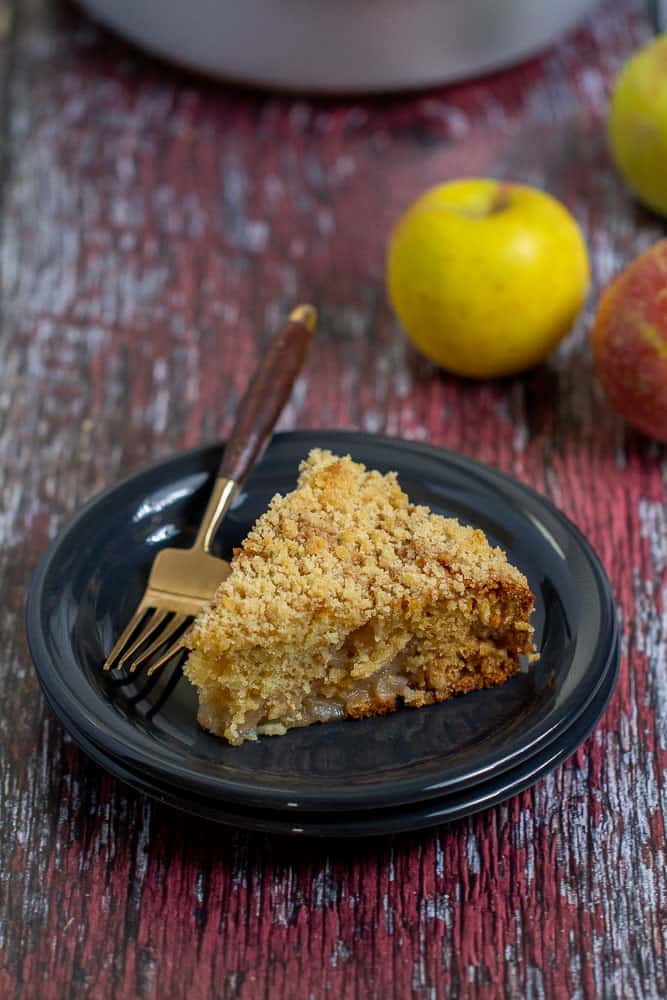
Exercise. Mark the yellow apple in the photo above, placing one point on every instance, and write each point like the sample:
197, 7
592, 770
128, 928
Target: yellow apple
638, 124
487, 276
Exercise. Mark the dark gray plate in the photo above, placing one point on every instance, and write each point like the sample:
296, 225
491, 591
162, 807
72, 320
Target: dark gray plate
91, 577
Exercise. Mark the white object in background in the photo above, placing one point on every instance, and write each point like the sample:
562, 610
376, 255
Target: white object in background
336, 46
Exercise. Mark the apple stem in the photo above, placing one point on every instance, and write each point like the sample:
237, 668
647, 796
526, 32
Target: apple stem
502, 198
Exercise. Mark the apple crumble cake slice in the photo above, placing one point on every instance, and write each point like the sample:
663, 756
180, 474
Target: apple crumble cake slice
343, 599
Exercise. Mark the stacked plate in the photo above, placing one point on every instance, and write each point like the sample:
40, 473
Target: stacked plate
407, 771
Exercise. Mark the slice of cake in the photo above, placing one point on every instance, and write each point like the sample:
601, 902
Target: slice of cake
346, 599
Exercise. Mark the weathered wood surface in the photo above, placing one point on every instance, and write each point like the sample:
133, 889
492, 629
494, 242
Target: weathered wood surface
155, 228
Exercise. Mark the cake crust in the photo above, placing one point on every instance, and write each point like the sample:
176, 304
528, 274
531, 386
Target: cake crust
346, 599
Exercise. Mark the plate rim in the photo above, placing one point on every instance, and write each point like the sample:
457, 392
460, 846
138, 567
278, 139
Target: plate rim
74, 712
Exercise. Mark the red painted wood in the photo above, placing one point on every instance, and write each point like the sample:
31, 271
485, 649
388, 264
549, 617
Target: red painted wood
155, 229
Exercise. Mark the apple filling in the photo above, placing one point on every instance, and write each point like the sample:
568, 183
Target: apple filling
370, 673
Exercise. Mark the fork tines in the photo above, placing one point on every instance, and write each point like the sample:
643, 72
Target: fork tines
160, 627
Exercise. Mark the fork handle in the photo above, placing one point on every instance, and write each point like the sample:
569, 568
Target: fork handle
267, 394
263, 400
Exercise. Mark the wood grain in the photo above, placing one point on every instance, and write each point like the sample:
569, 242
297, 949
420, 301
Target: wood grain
155, 230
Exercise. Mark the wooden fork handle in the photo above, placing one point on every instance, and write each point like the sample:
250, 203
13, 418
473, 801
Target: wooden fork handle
267, 394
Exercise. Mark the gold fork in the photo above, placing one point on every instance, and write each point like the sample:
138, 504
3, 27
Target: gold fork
182, 580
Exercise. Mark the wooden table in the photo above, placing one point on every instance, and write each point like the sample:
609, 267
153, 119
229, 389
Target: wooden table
155, 228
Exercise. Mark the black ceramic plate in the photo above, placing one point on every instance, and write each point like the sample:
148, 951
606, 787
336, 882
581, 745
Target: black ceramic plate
93, 574
377, 822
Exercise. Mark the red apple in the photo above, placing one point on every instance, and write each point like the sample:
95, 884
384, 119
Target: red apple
629, 341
